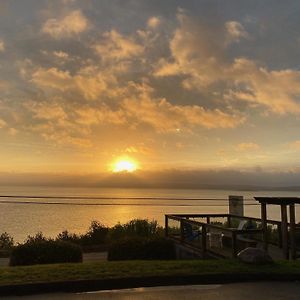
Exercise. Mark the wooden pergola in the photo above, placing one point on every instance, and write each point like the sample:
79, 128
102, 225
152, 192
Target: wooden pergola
288, 229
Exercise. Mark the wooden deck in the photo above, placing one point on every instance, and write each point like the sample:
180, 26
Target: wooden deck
209, 237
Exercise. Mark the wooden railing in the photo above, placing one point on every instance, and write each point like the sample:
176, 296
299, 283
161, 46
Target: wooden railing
206, 229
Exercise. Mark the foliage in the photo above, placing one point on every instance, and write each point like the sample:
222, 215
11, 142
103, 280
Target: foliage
141, 248
126, 249
136, 228
68, 237
6, 241
96, 234
45, 252
39, 237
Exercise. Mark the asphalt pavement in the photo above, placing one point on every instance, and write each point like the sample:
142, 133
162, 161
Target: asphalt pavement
235, 291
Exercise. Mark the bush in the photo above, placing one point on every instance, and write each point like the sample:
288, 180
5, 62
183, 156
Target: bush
135, 228
69, 237
39, 237
6, 241
126, 249
97, 233
141, 248
159, 248
45, 252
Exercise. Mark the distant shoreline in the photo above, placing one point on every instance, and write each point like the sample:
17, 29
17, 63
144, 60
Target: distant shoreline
242, 188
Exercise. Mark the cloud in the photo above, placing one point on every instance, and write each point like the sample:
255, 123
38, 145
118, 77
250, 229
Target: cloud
2, 46
153, 22
141, 107
72, 24
165, 117
294, 145
193, 179
61, 54
2, 123
47, 111
248, 147
88, 81
200, 56
235, 31
115, 46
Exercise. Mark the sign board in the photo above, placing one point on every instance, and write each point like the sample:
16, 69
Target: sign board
236, 205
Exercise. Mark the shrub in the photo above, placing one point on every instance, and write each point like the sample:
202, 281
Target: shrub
136, 228
126, 249
159, 248
39, 237
69, 237
6, 241
96, 234
45, 252
141, 248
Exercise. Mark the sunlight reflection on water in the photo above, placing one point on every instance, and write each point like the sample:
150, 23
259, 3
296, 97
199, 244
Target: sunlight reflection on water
21, 220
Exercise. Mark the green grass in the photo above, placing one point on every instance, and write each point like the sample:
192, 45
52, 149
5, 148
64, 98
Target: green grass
123, 269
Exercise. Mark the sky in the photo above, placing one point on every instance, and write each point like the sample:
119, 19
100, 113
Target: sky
188, 85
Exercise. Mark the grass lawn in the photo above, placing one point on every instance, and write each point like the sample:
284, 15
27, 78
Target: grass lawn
124, 269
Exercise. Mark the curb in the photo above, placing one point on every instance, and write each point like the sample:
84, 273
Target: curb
121, 283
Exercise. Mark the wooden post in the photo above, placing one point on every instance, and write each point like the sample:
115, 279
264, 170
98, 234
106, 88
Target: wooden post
234, 244
264, 225
181, 231
208, 220
203, 241
292, 231
229, 221
279, 235
166, 226
284, 231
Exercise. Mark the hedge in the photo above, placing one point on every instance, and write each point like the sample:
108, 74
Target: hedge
142, 248
45, 252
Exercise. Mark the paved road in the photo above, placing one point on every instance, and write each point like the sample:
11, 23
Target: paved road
236, 291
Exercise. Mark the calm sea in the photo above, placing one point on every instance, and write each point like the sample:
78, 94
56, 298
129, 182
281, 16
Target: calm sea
53, 215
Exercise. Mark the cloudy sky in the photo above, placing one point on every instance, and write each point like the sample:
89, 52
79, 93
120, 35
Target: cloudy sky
202, 85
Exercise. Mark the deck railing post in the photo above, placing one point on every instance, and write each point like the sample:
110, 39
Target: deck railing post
292, 231
279, 235
284, 232
181, 231
203, 240
264, 225
234, 244
229, 221
166, 226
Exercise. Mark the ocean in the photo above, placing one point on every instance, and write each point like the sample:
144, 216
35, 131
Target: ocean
73, 209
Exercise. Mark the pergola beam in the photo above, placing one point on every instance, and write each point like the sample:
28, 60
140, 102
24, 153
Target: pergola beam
288, 230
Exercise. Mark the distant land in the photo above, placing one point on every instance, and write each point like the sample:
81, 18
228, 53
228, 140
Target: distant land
180, 179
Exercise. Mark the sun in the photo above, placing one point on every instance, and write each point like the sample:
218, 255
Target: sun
124, 165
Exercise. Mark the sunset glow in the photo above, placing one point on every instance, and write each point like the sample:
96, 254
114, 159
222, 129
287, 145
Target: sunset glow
124, 166
207, 86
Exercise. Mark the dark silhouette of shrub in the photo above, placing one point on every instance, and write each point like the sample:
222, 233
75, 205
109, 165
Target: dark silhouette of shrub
126, 249
159, 248
141, 248
135, 228
96, 234
45, 252
69, 237
39, 237
6, 241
